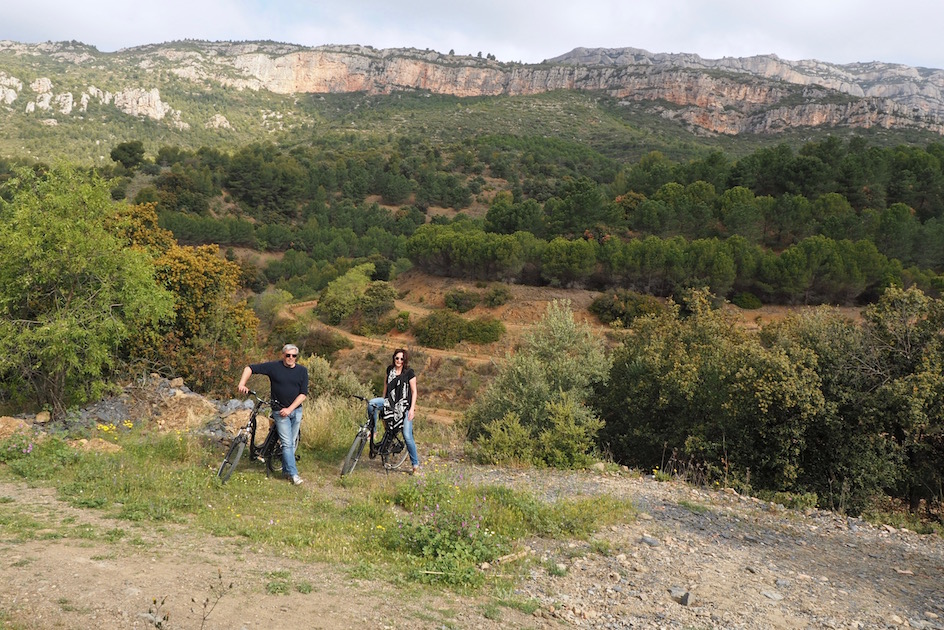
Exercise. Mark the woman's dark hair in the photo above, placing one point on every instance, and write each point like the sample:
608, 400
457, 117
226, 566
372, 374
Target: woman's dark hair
406, 358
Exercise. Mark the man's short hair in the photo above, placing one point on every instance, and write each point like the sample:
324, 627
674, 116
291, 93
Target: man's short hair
289, 347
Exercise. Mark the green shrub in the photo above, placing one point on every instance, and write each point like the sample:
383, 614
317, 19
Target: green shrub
341, 297
17, 446
483, 330
43, 461
321, 341
402, 323
440, 329
506, 442
624, 306
446, 532
377, 300
792, 500
542, 389
496, 296
569, 434
746, 300
461, 301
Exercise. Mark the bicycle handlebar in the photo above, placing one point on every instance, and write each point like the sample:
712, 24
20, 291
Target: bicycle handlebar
259, 399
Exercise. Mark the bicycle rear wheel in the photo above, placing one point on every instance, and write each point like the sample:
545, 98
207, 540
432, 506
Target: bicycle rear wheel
232, 458
273, 459
394, 453
350, 461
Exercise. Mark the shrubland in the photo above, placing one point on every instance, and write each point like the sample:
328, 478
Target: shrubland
116, 271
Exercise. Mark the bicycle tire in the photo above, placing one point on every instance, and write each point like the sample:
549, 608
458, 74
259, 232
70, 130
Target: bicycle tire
273, 459
395, 453
350, 460
232, 458
376, 442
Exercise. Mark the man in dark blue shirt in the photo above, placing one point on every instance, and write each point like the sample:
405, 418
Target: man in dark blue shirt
289, 385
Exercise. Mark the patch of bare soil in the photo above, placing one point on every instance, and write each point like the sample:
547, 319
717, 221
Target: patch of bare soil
693, 559
162, 569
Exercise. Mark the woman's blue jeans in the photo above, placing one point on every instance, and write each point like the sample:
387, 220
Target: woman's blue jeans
374, 407
410, 444
288, 428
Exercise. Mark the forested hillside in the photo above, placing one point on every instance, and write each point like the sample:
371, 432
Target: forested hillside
833, 222
166, 255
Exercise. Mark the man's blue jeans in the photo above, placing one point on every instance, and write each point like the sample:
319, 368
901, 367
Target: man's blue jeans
288, 428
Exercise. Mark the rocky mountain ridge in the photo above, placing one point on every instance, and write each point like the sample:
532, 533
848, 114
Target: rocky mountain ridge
755, 95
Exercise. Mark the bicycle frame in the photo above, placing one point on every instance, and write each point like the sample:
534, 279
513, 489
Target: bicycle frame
269, 452
391, 446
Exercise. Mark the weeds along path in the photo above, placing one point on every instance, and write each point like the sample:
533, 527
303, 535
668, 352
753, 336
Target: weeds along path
692, 558
73, 570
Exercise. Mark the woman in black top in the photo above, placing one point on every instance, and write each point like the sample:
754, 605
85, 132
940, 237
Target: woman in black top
400, 391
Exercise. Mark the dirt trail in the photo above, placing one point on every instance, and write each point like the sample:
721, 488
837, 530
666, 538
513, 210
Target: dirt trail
79, 583
693, 559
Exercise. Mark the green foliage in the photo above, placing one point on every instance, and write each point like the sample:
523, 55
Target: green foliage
445, 329
128, 154
340, 298
447, 532
704, 390
269, 305
623, 306
570, 434
904, 355
377, 301
817, 406
482, 330
461, 300
452, 527
440, 329
402, 322
746, 300
792, 500
543, 388
71, 291
17, 446
566, 263
44, 461
496, 295
506, 442
844, 461
209, 320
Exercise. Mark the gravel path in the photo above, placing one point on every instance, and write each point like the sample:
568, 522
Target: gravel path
691, 559
714, 559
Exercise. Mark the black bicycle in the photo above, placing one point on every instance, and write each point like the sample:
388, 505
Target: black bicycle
270, 452
390, 446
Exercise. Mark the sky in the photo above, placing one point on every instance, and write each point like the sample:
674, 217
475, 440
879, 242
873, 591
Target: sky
836, 31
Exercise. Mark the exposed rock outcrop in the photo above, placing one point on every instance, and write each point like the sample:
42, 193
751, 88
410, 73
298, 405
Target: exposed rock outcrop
761, 94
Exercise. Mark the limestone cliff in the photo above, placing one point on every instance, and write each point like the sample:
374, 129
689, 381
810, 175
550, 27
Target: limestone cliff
762, 94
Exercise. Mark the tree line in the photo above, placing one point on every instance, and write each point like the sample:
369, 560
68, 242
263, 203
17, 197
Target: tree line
832, 222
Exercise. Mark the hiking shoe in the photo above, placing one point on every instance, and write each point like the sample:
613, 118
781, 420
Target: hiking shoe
297, 481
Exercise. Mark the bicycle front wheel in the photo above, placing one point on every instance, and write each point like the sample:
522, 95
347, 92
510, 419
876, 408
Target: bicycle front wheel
394, 453
232, 458
350, 461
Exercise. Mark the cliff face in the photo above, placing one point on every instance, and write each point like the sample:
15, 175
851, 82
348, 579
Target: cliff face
761, 94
